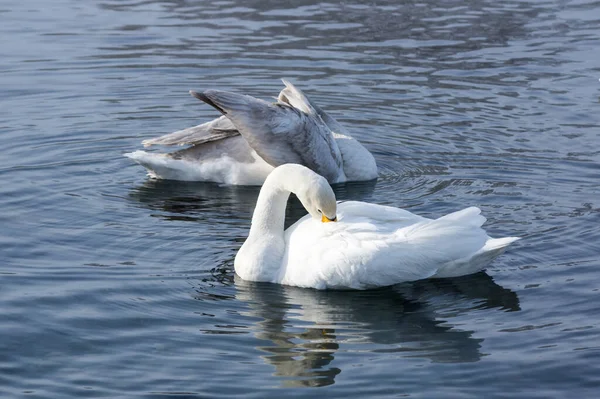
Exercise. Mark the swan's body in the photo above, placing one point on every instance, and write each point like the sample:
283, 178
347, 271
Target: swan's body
254, 136
369, 245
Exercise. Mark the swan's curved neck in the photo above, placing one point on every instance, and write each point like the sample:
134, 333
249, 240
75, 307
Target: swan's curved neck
261, 256
269, 214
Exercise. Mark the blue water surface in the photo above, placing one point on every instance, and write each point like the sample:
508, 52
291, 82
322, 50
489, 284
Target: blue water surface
114, 285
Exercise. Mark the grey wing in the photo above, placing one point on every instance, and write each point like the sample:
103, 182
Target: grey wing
296, 98
234, 147
214, 130
358, 163
281, 133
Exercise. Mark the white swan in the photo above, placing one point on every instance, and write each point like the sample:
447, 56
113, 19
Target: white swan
254, 136
368, 246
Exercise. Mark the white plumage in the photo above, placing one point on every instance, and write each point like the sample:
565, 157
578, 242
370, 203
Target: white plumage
369, 246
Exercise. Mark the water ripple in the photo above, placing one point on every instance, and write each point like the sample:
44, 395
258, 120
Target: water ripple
116, 285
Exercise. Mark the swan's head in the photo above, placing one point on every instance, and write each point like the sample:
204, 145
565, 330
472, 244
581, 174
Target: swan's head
312, 189
318, 198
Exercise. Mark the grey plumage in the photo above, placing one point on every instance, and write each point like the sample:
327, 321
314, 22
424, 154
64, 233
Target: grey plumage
254, 135
214, 130
281, 133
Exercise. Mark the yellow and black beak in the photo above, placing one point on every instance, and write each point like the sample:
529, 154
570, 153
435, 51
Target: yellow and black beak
325, 219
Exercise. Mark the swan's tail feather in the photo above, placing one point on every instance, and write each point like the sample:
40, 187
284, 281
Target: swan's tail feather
477, 261
155, 164
140, 157
494, 244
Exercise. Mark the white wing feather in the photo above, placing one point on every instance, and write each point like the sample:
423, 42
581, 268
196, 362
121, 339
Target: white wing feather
372, 246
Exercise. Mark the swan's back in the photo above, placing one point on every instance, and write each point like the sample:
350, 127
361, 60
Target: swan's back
373, 246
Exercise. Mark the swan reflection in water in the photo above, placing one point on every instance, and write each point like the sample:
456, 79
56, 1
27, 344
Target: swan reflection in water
196, 201
303, 329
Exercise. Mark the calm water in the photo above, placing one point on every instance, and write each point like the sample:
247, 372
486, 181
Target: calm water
113, 285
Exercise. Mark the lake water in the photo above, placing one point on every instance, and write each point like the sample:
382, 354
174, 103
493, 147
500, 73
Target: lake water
114, 285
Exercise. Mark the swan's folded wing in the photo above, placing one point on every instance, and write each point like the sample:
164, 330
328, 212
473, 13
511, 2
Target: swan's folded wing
362, 250
214, 130
388, 217
374, 251
280, 133
235, 148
